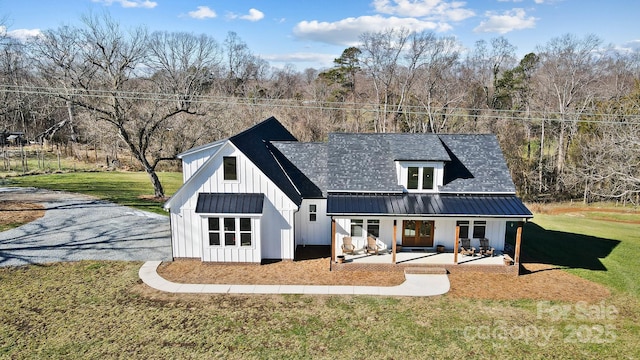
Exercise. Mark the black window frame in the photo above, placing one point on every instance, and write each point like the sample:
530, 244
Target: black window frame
479, 229
229, 163
313, 212
464, 229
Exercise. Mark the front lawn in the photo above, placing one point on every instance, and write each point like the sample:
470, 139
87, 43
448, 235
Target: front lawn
125, 188
100, 310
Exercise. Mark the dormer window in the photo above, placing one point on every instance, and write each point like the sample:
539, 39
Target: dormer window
420, 177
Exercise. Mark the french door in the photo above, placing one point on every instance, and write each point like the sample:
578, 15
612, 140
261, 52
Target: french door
417, 233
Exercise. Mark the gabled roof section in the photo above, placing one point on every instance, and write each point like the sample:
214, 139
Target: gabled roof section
306, 165
200, 148
254, 143
361, 162
477, 165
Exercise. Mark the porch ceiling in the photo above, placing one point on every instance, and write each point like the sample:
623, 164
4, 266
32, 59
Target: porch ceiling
436, 205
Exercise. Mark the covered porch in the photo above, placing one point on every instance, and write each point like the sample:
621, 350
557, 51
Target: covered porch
426, 230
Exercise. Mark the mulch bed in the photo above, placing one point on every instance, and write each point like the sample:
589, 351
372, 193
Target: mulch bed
537, 281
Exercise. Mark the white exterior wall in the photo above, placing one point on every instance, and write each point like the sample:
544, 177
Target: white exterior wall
187, 227
247, 254
444, 232
313, 232
192, 162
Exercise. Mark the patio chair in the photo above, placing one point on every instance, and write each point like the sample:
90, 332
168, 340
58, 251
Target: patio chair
372, 245
347, 246
485, 249
465, 247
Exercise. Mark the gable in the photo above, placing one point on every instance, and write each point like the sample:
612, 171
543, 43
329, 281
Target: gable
254, 143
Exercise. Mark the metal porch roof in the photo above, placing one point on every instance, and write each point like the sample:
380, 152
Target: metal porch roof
224, 203
436, 205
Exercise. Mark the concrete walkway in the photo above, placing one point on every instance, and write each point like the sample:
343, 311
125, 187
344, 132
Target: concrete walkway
415, 285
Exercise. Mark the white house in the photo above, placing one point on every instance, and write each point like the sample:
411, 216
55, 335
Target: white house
259, 194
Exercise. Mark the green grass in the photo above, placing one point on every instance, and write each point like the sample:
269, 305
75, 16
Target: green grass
124, 188
607, 252
95, 310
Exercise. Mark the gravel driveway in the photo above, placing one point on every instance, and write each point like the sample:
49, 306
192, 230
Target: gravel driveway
77, 227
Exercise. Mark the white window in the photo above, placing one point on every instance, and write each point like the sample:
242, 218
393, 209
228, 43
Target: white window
360, 228
232, 230
420, 176
357, 226
373, 228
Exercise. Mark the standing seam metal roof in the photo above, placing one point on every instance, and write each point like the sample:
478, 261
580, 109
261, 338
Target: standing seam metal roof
438, 205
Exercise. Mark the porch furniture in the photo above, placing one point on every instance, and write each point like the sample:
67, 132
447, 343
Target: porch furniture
465, 247
372, 245
347, 246
485, 249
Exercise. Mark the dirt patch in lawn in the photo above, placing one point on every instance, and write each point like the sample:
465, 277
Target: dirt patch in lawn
16, 213
538, 282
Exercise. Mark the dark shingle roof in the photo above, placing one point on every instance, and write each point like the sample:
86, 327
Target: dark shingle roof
361, 162
477, 165
366, 162
416, 147
308, 165
254, 143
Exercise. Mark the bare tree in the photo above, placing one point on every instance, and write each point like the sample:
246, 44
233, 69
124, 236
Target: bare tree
136, 82
569, 67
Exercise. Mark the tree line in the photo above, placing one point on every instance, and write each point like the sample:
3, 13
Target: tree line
567, 115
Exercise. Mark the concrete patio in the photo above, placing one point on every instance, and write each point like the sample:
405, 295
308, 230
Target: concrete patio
423, 258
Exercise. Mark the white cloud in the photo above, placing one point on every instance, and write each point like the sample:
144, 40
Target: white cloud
347, 31
300, 57
130, 3
254, 15
510, 20
20, 34
303, 59
431, 9
203, 12
632, 46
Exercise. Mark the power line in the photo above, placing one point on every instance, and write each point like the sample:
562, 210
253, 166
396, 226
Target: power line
415, 110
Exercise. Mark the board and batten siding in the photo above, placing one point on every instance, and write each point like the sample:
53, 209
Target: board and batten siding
316, 232
193, 161
276, 230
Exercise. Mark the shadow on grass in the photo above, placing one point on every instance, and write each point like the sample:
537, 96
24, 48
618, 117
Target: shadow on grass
564, 249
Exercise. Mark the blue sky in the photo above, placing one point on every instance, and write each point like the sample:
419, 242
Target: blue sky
312, 33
